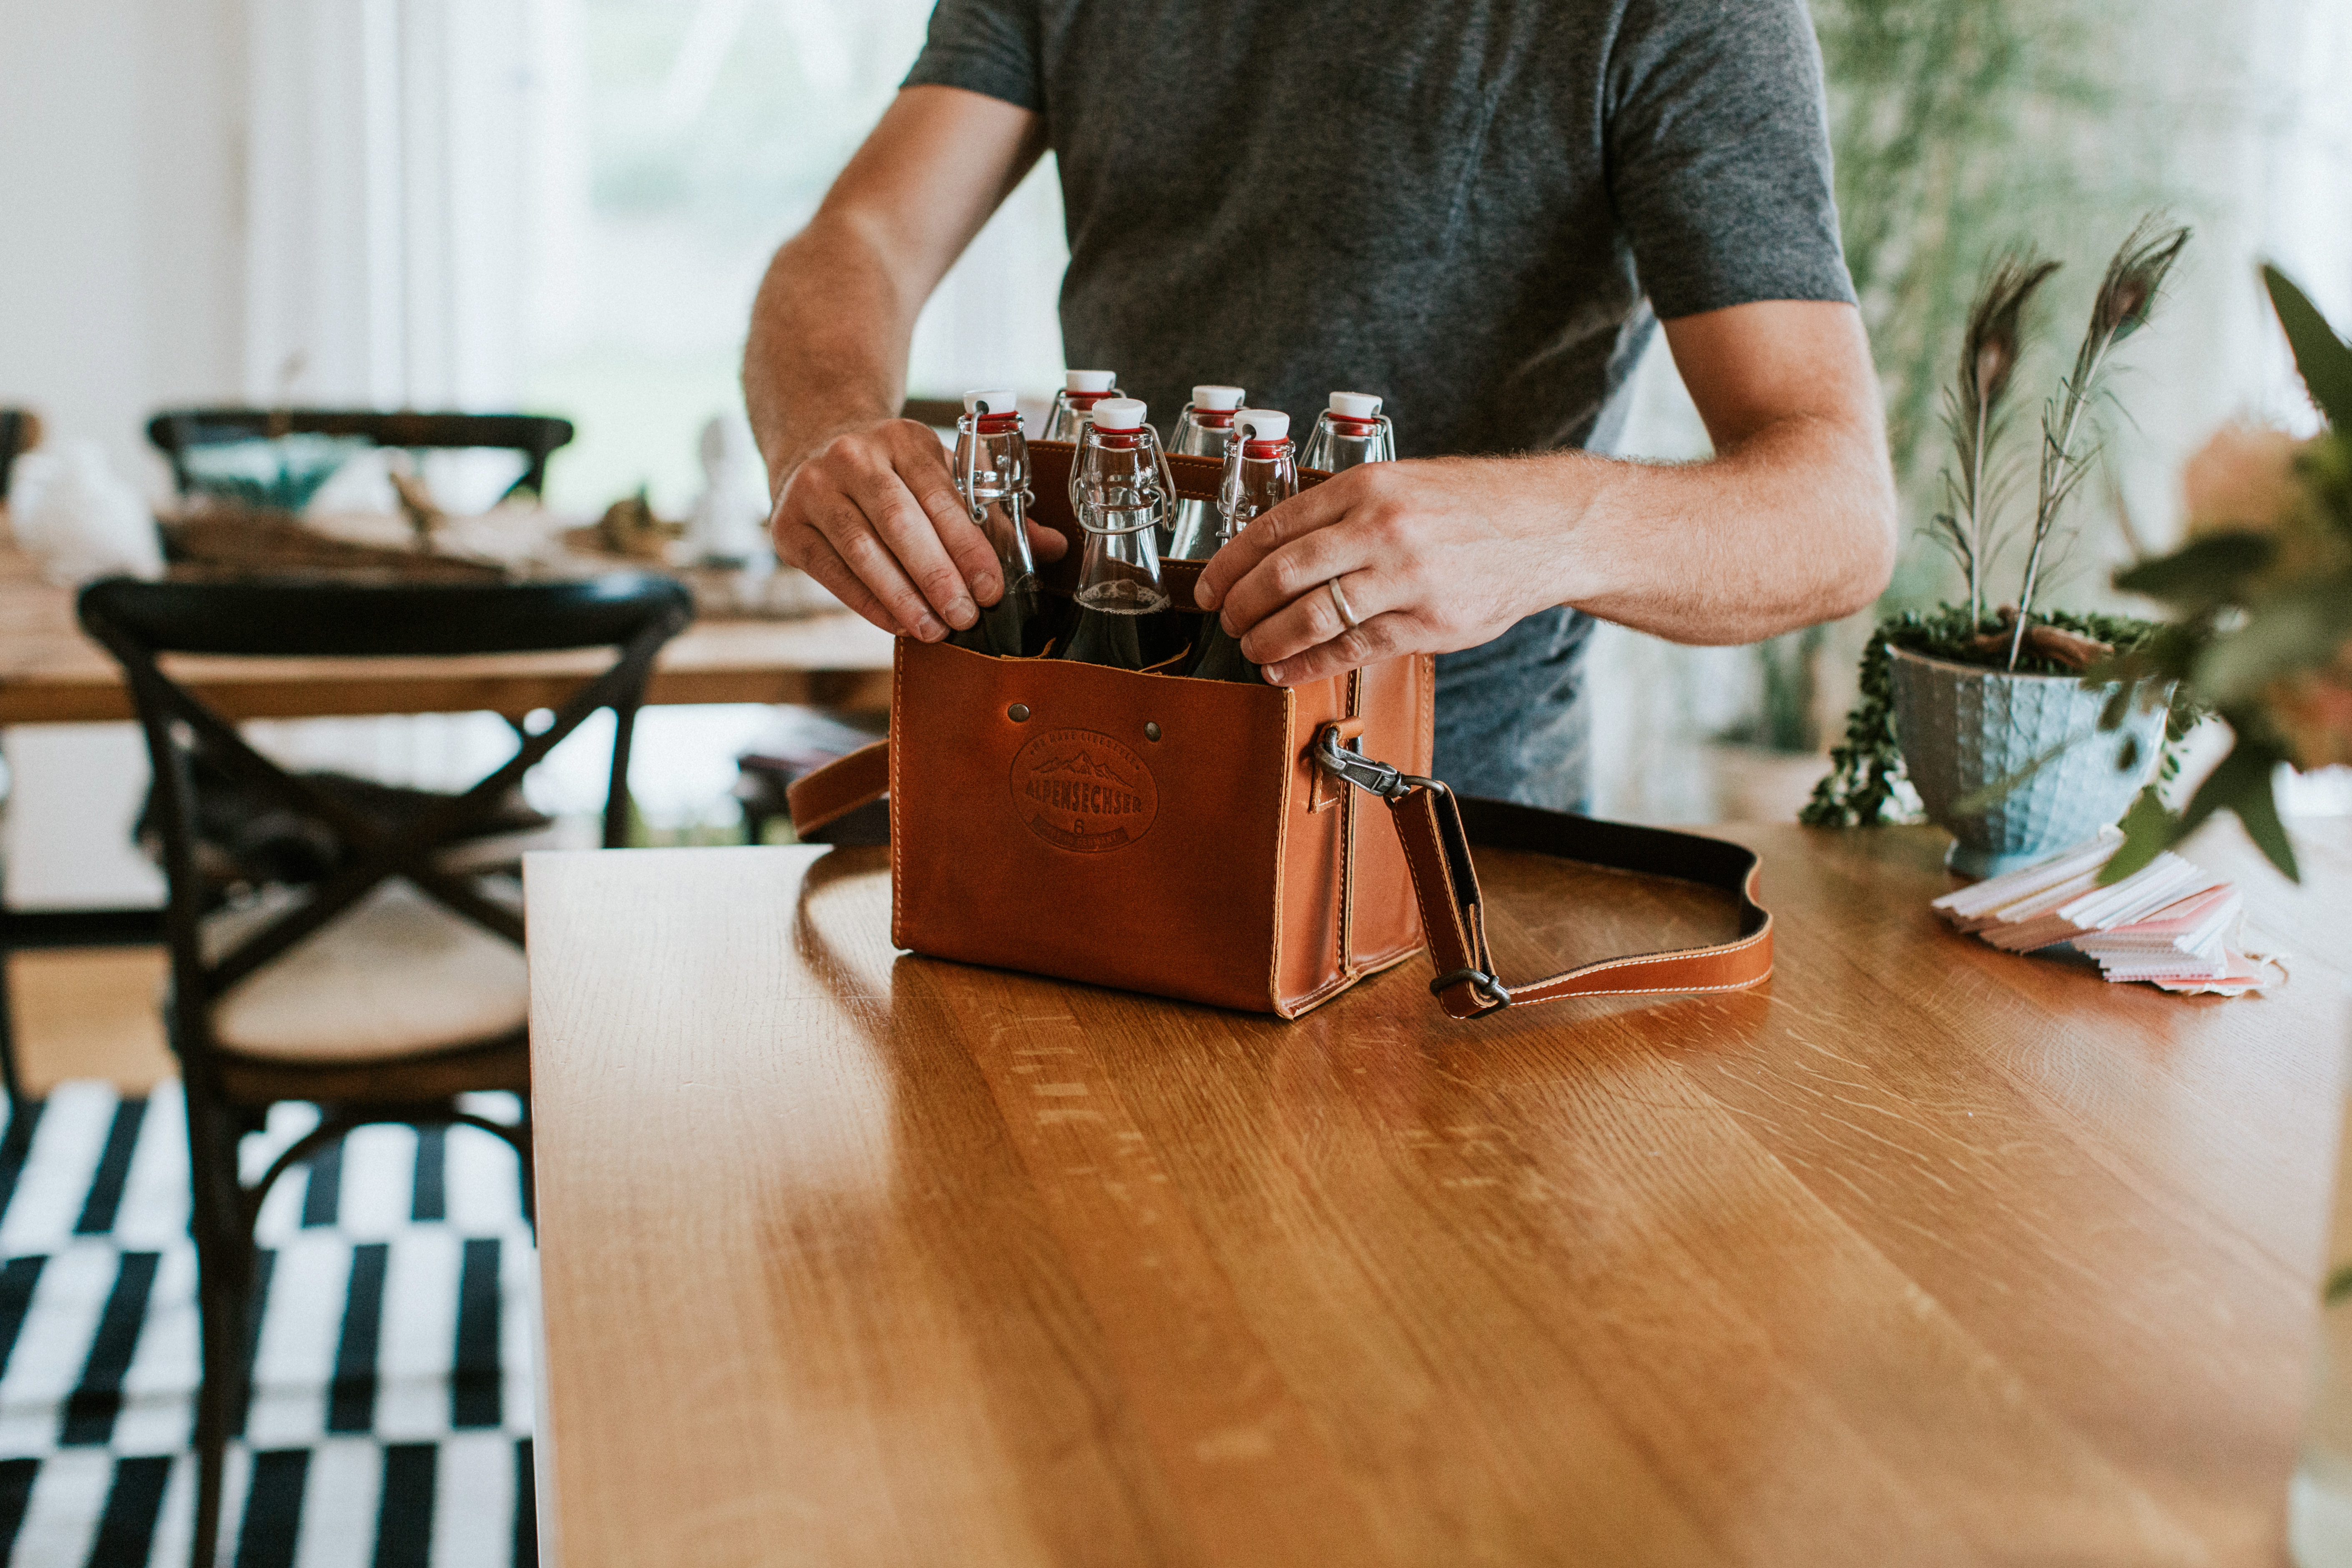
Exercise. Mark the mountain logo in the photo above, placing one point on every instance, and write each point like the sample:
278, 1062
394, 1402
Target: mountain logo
1080, 790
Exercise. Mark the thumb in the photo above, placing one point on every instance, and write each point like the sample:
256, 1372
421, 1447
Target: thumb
1048, 544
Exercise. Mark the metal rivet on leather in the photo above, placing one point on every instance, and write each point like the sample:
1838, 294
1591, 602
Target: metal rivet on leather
1018, 712
1151, 731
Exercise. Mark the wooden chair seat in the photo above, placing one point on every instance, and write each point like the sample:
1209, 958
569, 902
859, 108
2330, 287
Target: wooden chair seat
397, 976
258, 1083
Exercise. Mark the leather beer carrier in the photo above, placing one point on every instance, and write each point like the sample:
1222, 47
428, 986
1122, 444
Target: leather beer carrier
1206, 840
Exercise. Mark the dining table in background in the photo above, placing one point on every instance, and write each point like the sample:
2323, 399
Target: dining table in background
52, 673
1920, 1253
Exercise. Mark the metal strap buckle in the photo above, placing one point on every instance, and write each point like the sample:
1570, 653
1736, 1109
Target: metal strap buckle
1365, 773
1486, 985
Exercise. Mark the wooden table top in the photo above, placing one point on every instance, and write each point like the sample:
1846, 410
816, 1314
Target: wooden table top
50, 673
1921, 1254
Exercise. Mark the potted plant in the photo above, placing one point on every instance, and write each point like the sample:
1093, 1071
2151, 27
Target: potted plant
1982, 711
2260, 597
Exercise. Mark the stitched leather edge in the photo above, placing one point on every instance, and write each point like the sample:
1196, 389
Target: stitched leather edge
897, 751
1273, 996
1347, 922
1340, 985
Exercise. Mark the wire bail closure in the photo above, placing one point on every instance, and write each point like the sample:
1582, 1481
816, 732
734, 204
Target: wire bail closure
1367, 773
1161, 500
1393, 785
1017, 493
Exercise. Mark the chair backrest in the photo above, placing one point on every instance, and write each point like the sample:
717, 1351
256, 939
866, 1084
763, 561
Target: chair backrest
319, 618
139, 622
939, 413
535, 435
20, 431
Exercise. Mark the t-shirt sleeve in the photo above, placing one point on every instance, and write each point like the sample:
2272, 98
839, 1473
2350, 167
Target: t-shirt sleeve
983, 45
1719, 155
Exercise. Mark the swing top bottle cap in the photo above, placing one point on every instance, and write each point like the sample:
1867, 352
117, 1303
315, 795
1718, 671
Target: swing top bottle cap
1263, 424
992, 400
1118, 413
1218, 397
1354, 405
1089, 380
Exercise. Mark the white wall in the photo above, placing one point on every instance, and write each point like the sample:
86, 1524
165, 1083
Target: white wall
121, 280
122, 183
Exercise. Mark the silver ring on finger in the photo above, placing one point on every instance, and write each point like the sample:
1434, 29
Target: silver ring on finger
1348, 616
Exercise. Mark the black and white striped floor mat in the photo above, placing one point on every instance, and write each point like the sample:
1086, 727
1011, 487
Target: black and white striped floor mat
392, 1405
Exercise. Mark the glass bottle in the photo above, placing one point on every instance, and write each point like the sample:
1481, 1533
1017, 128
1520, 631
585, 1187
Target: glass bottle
1352, 430
1121, 492
992, 475
1261, 473
1081, 390
1201, 431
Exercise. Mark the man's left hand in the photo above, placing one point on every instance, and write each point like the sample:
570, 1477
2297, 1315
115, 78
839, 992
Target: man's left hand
1425, 554
1793, 521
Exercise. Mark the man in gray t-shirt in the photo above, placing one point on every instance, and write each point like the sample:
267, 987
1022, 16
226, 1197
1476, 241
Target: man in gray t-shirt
1479, 211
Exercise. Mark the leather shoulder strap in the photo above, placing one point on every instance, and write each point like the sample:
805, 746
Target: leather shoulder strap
1438, 830
827, 794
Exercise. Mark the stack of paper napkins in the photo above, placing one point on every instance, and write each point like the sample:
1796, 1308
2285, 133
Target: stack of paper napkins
2170, 923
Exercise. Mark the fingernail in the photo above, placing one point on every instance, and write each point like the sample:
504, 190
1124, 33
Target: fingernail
985, 588
1273, 673
964, 613
928, 629
1204, 595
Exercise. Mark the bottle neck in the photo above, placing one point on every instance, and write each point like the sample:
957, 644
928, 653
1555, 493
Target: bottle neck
1342, 442
1259, 476
991, 458
1119, 485
992, 475
1071, 411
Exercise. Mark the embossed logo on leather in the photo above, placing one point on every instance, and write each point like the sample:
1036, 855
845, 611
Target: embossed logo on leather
1081, 790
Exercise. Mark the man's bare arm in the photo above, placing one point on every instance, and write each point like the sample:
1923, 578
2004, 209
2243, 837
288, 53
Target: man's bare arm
1793, 522
864, 500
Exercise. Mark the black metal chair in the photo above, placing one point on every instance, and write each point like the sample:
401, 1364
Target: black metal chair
20, 432
939, 413
248, 978
535, 435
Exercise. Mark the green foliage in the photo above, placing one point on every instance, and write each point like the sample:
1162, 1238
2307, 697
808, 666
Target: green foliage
1976, 482
1867, 768
2324, 359
2200, 575
2126, 299
2254, 613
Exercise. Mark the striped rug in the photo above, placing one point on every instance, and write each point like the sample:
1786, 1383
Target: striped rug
392, 1405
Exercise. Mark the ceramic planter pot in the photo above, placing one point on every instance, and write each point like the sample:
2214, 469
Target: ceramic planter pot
1963, 727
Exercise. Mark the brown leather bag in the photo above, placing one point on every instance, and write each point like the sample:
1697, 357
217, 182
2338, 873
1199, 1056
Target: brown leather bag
1206, 840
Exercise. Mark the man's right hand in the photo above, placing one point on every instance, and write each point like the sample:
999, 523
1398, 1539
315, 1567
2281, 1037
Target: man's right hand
865, 503
873, 514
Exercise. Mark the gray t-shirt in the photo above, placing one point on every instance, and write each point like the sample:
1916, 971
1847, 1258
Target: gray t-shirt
1460, 207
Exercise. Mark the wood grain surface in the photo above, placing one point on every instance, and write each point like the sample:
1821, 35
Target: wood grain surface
51, 674
1921, 1254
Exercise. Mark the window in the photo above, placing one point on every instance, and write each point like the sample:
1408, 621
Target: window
678, 145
